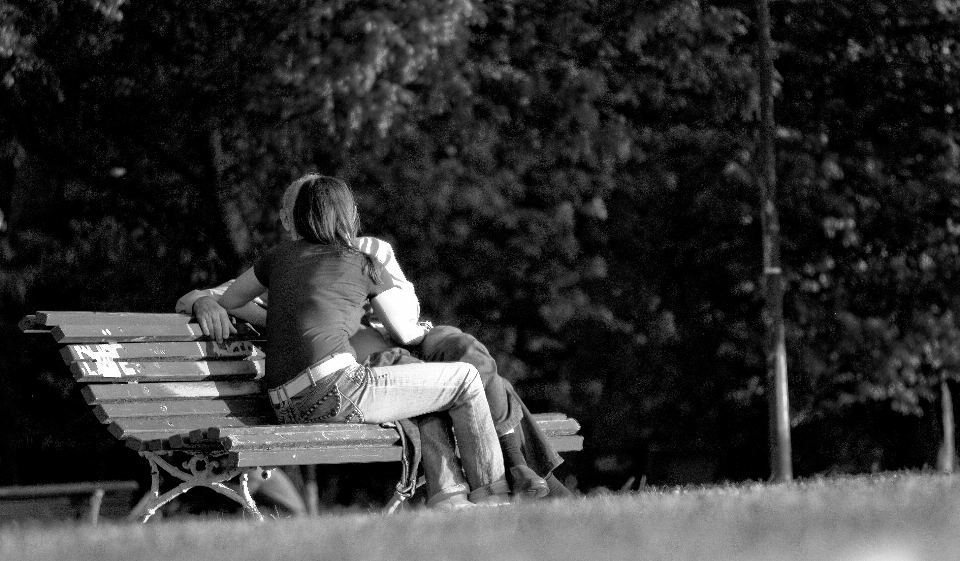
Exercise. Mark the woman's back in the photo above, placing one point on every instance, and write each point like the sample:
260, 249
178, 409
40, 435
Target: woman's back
316, 303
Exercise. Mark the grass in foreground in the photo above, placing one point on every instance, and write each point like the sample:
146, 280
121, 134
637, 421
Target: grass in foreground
895, 517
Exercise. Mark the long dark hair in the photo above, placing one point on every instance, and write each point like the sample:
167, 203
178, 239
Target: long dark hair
325, 213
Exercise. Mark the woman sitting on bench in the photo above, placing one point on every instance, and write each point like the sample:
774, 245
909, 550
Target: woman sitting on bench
319, 284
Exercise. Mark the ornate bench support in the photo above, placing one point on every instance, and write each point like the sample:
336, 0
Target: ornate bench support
201, 471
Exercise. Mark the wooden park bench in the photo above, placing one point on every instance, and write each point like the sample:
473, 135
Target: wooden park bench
195, 409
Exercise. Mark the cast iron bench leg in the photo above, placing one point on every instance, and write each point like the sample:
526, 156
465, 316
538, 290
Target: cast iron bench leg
201, 472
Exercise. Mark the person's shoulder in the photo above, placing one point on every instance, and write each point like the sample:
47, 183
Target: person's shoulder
298, 246
287, 250
284, 246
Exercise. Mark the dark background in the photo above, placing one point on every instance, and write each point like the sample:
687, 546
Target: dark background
570, 181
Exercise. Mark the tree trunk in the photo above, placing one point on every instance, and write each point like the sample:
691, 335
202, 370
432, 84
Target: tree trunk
947, 456
781, 468
236, 230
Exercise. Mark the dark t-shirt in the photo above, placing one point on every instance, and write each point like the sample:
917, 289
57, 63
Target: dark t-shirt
316, 302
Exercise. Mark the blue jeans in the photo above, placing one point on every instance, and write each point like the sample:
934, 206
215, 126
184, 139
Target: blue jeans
387, 393
444, 343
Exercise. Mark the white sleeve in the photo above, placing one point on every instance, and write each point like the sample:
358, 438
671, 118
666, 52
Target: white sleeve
383, 253
391, 307
185, 303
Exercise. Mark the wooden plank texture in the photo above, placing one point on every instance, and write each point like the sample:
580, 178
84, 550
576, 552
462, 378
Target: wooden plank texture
154, 439
163, 351
307, 456
219, 433
571, 443
559, 427
136, 426
357, 437
71, 333
123, 371
242, 407
547, 416
347, 454
333, 431
52, 318
103, 393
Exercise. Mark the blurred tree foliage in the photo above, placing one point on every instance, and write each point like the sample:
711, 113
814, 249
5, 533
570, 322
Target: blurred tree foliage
870, 175
571, 181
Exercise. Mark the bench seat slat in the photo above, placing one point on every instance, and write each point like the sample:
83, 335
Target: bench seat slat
548, 416
370, 438
311, 439
546, 421
559, 427
306, 456
232, 434
157, 439
134, 426
104, 393
347, 454
242, 407
567, 443
321, 436
217, 433
162, 351
70, 333
244, 437
123, 371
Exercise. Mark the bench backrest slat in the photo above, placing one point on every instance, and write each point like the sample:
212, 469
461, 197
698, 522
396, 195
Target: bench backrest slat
116, 371
111, 318
163, 351
70, 333
104, 393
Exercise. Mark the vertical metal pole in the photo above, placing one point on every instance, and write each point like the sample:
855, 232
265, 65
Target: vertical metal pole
946, 458
781, 468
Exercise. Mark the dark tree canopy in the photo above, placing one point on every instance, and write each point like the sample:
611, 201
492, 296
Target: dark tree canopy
573, 182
